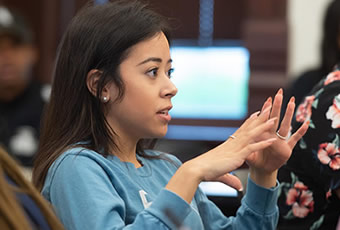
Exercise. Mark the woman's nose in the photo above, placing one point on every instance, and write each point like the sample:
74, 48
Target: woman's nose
169, 89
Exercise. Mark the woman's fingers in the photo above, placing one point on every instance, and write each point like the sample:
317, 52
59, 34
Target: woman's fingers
276, 110
265, 110
285, 124
253, 133
265, 114
231, 180
267, 103
298, 134
249, 120
255, 121
260, 132
257, 146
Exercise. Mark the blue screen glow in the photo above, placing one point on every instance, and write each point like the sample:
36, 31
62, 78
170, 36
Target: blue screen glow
212, 82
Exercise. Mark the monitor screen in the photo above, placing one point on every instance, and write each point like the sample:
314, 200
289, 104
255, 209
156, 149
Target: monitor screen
212, 82
212, 86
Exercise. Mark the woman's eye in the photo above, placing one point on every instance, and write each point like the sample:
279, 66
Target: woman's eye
170, 72
153, 72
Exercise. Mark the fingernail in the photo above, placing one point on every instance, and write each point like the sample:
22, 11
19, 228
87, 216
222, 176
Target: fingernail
240, 189
292, 99
269, 99
280, 91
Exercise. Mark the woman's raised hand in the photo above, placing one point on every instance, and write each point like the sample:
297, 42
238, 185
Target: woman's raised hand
255, 142
267, 161
254, 135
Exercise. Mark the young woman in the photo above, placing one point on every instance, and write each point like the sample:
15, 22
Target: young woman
112, 90
21, 205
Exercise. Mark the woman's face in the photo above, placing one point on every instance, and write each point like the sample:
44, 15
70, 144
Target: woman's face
144, 110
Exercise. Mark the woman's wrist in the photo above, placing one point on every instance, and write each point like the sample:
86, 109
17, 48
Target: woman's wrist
185, 181
262, 178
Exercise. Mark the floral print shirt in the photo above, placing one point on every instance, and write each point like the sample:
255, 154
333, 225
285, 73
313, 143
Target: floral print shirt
307, 199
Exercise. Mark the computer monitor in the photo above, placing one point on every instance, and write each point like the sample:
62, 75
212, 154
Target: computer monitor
212, 87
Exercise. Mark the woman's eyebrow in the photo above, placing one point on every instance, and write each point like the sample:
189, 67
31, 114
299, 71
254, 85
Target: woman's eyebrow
153, 59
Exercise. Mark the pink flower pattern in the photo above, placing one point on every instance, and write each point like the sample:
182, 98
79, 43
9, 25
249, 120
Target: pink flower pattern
333, 112
301, 200
304, 111
328, 194
334, 76
329, 154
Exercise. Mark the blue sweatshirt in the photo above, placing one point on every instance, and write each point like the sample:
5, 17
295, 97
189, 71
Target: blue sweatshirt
89, 191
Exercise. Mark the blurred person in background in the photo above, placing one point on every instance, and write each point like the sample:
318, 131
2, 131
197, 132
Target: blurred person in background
21, 97
309, 196
310, 181
330, 55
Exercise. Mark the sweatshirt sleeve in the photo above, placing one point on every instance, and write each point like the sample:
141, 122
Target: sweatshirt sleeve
258, 210
84, 198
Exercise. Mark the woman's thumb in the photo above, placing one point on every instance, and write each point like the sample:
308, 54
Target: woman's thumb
232, 181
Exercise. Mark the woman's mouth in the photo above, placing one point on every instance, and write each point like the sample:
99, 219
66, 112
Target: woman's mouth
164, 114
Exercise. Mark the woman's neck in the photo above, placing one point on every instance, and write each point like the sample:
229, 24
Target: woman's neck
126, 152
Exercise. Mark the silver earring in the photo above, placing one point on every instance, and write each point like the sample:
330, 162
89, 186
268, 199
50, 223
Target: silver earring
105, 99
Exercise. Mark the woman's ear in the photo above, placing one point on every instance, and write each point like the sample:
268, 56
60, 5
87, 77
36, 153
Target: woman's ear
92, 80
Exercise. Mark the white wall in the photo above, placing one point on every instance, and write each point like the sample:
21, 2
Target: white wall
305, 18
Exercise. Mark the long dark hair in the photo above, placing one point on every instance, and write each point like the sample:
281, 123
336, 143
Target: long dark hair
99, 37
330, 46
